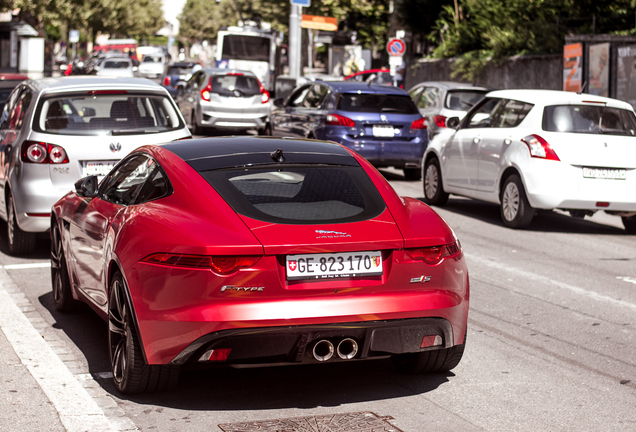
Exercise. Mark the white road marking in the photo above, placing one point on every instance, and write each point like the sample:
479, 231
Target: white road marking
627, 279
26, 266
548, 281
77, 410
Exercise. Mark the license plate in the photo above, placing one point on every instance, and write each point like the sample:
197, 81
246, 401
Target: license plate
334, 265
98, 168
605, 173
383, 131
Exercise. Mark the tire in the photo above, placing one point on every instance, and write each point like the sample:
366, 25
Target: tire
412, 174
266, 131
62, 294
195, 129
131, 374
20, 242
436, 361
516, 211
433, 187
630, 224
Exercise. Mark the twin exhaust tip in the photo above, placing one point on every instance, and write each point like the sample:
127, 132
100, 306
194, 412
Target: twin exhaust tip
324, 350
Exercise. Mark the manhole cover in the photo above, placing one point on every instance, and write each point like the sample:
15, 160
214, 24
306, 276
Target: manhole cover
349, 422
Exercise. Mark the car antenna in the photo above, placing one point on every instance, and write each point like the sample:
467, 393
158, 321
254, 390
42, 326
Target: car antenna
582, 88
278, 156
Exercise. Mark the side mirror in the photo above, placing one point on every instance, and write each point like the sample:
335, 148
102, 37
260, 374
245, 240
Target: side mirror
452, 122
279, 103
87, 187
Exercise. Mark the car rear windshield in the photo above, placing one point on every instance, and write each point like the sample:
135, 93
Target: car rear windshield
172, 70
95, 113
237, 47
463, 100
299, 195
589, 119
119, 64
376, 103
229, 85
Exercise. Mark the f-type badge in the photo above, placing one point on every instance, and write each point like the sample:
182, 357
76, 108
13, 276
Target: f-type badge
331, 234
421, 279
239, 289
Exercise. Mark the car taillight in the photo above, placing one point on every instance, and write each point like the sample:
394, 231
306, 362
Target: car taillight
205, 93
264, 93
539, 148
435, 254
419, 124
223, 265
440, 121
338, 120
166, 81
41, 153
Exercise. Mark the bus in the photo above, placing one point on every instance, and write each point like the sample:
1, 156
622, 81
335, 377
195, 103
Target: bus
252, 49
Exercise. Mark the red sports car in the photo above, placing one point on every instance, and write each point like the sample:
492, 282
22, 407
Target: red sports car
250, 250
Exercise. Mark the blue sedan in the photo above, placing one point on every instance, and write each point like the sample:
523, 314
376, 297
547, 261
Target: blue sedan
379, 122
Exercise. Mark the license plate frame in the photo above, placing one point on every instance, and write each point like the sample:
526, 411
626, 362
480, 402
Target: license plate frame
338, 265
383, 131
99, 167
605, 173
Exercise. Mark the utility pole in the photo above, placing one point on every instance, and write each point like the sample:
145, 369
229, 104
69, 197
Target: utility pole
295, 17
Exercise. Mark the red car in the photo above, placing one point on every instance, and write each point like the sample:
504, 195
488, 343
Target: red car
248, 250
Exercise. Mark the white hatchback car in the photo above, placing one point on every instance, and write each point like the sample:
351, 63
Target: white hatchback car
538, 149
54, 131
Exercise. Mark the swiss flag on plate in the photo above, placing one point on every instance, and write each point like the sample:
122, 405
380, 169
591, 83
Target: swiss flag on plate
292, 265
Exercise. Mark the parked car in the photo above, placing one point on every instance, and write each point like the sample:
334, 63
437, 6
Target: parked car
9, 81
116, 67
176, 76
375, 76
152, 65
539, 149
292, 252
438, 101
225, 99
54, 131
379, 122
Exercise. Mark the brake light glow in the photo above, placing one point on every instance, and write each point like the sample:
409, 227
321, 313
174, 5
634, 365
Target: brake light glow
264, 93
338, 120
435, 254
419, 124
42, 153
205, 93
166, 81
440, 120
539, 148
222, 265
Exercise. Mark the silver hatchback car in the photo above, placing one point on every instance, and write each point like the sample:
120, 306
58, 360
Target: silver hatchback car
54, 131
225, 99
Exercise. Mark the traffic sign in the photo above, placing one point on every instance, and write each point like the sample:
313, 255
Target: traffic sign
73, 36
396, 47
303, 3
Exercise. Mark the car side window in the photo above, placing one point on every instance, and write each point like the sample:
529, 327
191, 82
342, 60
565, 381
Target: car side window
296, 98
126, 181
482, 115
156, 186
510, 114
193, 82
429, 97
8, 108
416, 93
17, 114
314, 97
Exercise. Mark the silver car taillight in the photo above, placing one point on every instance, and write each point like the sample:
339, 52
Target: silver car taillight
41, 153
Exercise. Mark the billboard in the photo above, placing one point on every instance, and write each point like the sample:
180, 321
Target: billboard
572, 67
626, 76
598, 75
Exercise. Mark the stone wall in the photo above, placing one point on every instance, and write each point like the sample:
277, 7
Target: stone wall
520, 72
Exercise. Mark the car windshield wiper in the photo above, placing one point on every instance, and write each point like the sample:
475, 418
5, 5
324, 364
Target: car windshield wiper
388, 109
612, 131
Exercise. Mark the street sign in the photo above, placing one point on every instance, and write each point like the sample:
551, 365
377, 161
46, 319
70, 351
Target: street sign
319, 23
73, 36
396, 47
303, 3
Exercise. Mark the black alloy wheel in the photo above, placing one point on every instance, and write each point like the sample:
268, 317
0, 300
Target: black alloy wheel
20, 242
131, 374
433, 188
62, 295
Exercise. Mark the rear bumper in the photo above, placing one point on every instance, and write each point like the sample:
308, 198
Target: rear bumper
294, 344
